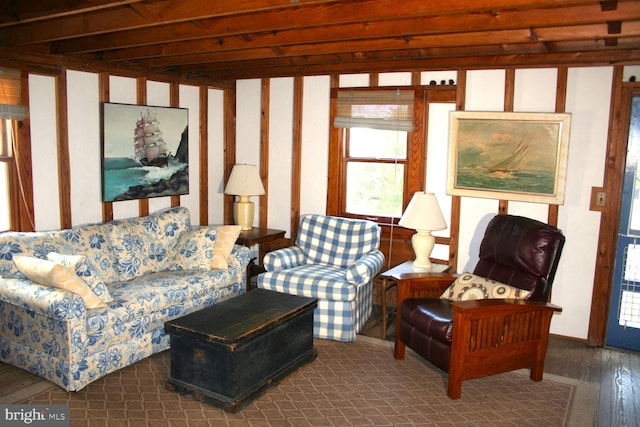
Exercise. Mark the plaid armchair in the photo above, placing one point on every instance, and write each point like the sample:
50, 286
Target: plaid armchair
334, 260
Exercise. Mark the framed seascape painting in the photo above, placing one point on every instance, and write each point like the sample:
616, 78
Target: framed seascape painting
145, 151
509, 156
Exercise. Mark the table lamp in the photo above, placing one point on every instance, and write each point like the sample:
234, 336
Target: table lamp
245, 182
423, 214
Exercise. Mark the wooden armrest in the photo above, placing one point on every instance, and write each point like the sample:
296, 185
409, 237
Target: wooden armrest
500, 306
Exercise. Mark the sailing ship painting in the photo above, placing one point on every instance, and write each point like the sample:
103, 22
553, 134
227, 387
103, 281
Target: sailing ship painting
508, 156
145, 151
150, 148
514, 163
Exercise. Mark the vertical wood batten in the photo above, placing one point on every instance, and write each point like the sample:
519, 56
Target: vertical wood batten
22, 191
609, 221
296, 155
141, 99
204, 154
174, 88
103, 83
229, 147
64, 168
263, 168
561, 103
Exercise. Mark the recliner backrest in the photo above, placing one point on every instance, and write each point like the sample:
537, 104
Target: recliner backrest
521, 252
336, 241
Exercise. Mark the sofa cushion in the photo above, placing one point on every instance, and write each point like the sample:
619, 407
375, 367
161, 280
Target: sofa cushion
470, 287
194, 249
227, 236
49, 273
86, 270
145, 245
325, 282
146, 302
34, 244
336, 241
93, 241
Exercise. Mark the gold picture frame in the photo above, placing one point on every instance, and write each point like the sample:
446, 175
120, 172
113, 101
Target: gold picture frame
509, 156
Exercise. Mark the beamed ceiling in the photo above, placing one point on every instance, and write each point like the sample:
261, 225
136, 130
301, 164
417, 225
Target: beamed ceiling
230, 39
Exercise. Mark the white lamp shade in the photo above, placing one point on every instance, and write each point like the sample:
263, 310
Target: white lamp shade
423, 213
244, 181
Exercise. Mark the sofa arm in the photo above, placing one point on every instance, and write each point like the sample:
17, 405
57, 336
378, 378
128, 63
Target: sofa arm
240, 255
282, 259
365, 268
42, 300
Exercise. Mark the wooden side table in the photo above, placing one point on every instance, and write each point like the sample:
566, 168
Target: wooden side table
393, 276
258, 236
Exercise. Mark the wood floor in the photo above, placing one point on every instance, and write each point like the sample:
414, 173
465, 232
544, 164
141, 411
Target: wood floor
617, 371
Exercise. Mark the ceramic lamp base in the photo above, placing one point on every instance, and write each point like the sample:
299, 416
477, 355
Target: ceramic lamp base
422, 243
243, 213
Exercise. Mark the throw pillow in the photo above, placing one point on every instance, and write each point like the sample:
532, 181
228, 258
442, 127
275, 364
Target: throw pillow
194, 249
470, 287
48, 273
86, 270
227, 236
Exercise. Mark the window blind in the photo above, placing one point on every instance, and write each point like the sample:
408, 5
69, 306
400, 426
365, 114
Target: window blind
11, 95
390, 109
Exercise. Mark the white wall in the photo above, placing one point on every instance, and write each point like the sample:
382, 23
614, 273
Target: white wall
85, 150
588, 98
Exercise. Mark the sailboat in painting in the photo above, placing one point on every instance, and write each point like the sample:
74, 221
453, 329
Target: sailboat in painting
150, 148
515, 162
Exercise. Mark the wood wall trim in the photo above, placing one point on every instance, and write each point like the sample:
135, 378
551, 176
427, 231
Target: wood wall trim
609, 221
561, 104
204, 155
296, 155
174, 101
103, 89
229, 147
21, 190
263, 168
333, 166
64, 168
141, 99
454, 227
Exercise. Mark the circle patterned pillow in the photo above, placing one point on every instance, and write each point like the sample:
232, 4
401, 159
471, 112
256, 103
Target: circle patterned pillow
470, 287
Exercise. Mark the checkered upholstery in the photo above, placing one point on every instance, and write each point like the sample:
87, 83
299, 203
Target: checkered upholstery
334, 260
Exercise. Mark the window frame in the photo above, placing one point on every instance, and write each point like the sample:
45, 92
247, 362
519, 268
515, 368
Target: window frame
414, 174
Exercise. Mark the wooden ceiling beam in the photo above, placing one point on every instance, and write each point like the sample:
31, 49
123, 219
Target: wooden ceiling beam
300, 11
122, 18
610, 57
12, 12
360, 30
583, 32
265, 65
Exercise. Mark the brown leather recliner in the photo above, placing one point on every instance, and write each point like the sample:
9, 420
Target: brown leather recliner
472, 339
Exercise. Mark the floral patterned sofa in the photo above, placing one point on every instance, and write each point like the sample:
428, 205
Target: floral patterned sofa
103, 292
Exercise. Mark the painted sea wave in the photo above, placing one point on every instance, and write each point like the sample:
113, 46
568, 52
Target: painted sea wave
536, 182
120, 173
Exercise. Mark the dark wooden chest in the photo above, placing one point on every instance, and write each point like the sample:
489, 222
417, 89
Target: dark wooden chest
230, 353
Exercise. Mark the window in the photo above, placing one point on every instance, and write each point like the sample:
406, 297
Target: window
13, 208
377, 139
375, 163
6, 166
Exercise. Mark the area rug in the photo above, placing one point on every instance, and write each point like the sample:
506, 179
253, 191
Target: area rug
349, 384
